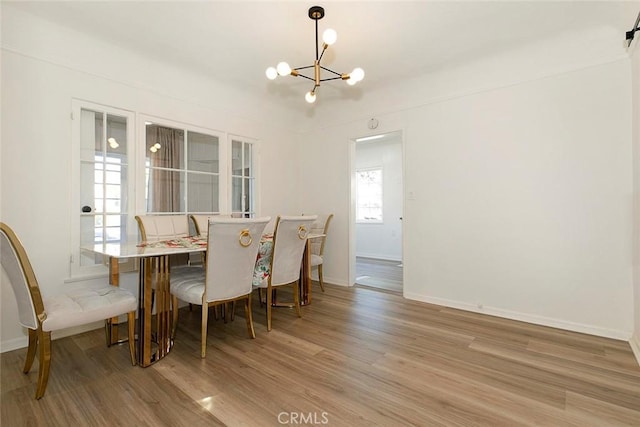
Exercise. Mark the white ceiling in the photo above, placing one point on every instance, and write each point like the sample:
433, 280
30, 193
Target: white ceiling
235, 41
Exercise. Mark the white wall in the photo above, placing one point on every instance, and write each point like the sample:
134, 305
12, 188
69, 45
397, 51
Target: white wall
635, 72
43, 68
383, 240
522, 198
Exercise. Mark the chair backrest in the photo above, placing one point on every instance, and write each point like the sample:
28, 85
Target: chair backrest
320, 226
154, 228
15, 263
232, 249
201, 222
289, 240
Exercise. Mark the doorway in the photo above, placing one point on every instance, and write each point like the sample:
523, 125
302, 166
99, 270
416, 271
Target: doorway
377, 210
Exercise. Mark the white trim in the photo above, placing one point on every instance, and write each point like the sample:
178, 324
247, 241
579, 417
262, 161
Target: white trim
23, 342
634, 342
525, 317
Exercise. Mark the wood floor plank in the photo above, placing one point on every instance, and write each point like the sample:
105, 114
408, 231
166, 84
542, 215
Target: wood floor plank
357, 357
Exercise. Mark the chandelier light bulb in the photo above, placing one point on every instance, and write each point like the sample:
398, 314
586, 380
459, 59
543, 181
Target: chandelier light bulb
351, 82
357, 74
310, 97
271, 73
113, 143
329, 36
283, 69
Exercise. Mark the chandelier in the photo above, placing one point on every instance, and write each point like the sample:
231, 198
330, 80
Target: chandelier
328, 37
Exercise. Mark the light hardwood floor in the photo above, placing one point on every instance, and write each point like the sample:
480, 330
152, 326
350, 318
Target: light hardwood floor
358, 357
379, 273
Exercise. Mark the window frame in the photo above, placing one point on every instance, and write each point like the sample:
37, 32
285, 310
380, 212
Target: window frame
255, 153
223, 183
76, 270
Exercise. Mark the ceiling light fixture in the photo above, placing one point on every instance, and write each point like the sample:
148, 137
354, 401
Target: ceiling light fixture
328, 37
632, 33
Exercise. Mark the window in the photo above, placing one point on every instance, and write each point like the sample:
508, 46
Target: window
242, 178
369, 195
178, 169
101, 201
182, 170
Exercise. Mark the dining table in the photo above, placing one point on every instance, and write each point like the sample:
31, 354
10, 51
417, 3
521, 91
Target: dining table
154, 339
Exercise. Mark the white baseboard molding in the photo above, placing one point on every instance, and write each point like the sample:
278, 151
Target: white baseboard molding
634, 342
525, 317
22, 342
333, 281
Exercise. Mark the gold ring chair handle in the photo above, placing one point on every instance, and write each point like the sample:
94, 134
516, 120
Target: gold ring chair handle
302, 232
245, 238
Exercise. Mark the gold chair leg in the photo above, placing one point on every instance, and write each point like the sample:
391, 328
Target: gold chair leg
320, 277
269, 296
31, 351
131, 326
248, 316
45, 362
296, 298
203, 339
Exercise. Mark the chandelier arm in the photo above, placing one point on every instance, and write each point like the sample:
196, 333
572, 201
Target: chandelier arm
306, 77
324, 48
331, 78
303, 68
331, 71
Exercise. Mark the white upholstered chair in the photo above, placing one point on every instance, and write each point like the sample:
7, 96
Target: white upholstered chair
41, 316
201, 222
232, 249
289, 241
320, 226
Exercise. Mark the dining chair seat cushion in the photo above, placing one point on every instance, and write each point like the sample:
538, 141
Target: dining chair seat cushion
186, 272
315, 260
188, 289
82, 306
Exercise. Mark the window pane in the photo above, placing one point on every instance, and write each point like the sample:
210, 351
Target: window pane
202, 152
236, 194
164, 147
236, 158
248, 161
166, 191
90, 134
87, 186
248, 189
203, 193
116, 137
